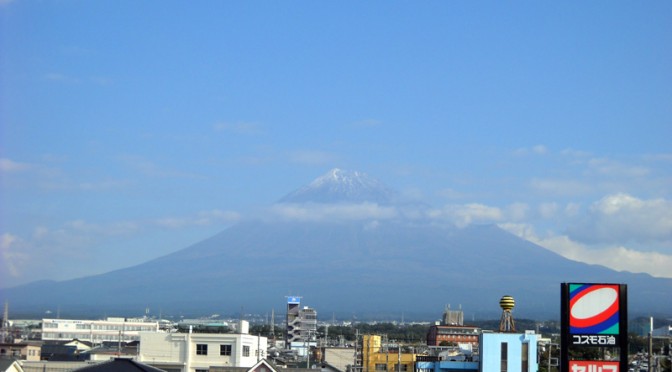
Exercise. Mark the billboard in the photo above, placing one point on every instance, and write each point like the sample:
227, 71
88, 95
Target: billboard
593, 366
593, 315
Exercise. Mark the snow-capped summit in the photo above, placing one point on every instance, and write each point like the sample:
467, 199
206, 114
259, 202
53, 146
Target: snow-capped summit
342, 186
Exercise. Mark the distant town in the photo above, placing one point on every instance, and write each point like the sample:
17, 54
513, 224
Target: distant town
298, 339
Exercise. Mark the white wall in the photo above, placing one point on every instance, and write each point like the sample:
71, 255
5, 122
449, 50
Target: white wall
182, 348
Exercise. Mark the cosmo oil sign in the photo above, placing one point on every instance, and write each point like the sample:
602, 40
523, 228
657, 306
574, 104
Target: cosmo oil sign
593, 315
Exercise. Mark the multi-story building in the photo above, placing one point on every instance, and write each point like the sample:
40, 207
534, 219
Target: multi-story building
498, 352
452, 330
508, 351
96, 331
197, 352
440, 335
377, 357
301, 322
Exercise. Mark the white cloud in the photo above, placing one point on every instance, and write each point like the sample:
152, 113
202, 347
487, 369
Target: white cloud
203, 218
109, 229
615, 257
560, 187
450, 194
463, 215
548, 210
574, 153
12, 258
572, 209
8, 165
608, 167
517, 211
81, 241
330, 212
536, 150
151, 169
622, 218
539, 149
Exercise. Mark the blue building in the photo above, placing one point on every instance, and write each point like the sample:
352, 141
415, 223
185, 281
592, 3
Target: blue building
508, 352
499, 352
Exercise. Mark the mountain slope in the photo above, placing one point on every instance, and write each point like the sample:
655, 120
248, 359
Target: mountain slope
343, 266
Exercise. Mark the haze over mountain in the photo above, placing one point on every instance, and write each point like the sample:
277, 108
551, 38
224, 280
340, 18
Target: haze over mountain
346, 246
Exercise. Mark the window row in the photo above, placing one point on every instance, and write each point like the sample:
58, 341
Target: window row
225, 350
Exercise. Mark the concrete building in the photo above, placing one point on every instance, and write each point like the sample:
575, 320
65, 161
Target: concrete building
301, 322
508, 351
194, 352
439, 335
96, 331
498, 352
452, 330
377, 357
22, 350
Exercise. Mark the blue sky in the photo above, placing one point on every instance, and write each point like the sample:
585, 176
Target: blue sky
129, 129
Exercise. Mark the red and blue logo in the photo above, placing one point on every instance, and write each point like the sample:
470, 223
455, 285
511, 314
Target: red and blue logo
593, 309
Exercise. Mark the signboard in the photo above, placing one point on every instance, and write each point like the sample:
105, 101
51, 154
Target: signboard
593, 315
593, 366
293, 300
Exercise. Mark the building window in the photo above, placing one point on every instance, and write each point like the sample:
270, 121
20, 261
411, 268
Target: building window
246, 351
524, 357
224, 349
201, 349
401, 368
381, 367
201, 370
505, 356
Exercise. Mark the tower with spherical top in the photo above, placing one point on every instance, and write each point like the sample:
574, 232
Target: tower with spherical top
506, 323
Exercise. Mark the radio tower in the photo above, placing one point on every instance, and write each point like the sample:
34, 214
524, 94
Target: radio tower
506, 323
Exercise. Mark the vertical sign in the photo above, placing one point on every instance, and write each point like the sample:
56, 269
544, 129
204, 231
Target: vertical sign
594, 315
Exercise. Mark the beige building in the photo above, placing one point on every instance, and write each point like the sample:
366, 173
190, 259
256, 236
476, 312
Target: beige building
24, 351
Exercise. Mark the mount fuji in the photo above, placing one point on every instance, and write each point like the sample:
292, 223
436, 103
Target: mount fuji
339, 186
353, 250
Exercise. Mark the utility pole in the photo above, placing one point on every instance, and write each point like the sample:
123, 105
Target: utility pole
399, 357
651, 345
354, 364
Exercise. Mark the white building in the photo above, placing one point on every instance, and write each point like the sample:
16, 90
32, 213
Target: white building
96, 331
195, 352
